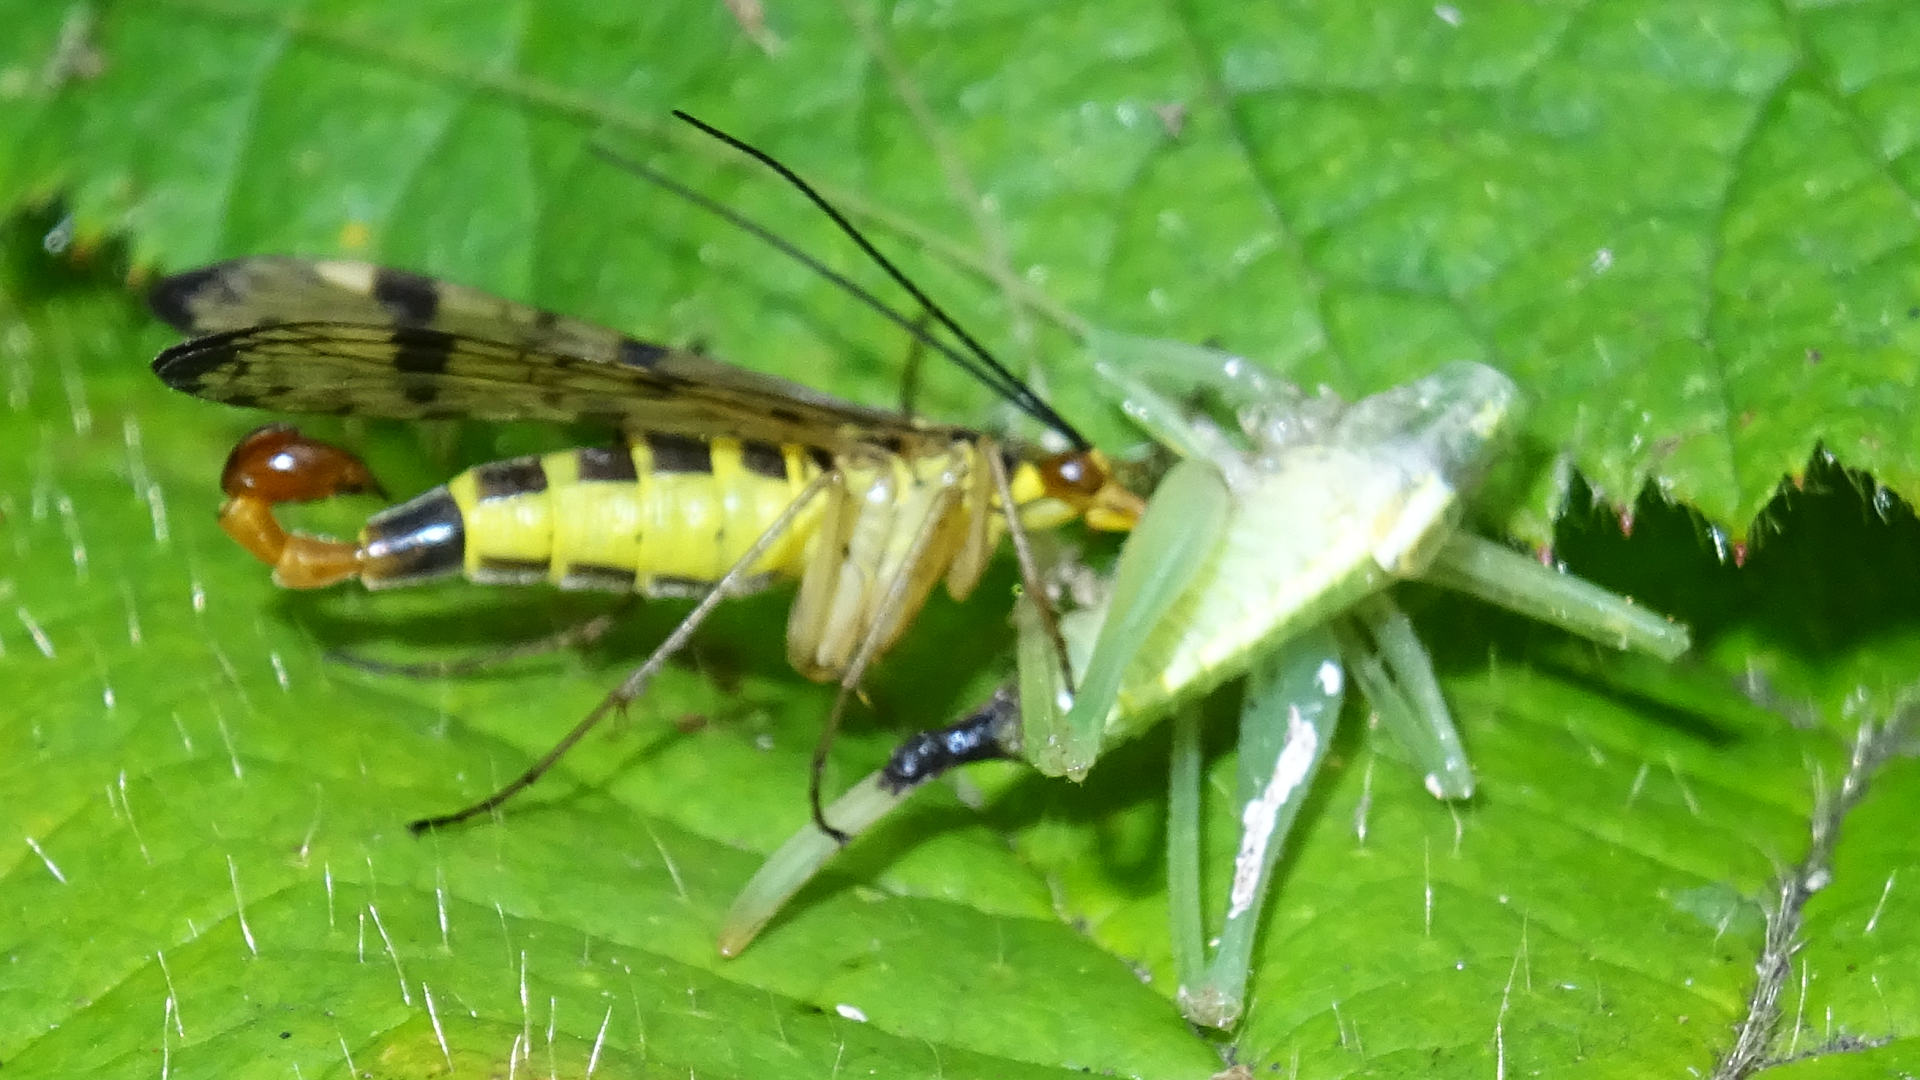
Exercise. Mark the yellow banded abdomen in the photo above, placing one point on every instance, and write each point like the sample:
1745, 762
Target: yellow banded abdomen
666, 512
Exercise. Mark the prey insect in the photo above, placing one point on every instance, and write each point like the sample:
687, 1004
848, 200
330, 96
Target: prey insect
1267, 552
867, 509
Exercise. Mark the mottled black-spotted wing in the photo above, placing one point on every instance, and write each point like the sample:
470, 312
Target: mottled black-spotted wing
301, 335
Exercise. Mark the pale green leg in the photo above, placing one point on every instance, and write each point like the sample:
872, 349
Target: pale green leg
985, 734
1044, 698
1176, 538
1123, 358
1183, 850
1502, 576
1393, 670
800, 858
1291, 707
1166, 421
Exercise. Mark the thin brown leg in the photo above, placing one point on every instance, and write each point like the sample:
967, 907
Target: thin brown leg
636, 682
579, 635
1029, 568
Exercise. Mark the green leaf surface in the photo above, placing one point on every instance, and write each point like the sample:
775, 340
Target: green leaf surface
1681, 226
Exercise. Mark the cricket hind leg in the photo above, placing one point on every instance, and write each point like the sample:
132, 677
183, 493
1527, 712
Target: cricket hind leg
1287, 720
636, 683
989, 733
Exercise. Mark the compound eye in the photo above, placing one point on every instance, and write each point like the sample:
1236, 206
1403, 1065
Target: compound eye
1074, 476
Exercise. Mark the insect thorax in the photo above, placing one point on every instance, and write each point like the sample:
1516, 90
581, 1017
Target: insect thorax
1319, 524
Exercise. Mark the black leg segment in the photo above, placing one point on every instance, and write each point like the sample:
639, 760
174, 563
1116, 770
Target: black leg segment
991, 733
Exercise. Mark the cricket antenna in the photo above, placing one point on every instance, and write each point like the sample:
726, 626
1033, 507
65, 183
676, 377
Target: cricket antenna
985, 366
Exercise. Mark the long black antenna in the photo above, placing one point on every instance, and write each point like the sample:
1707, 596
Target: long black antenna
914, 327
988, 369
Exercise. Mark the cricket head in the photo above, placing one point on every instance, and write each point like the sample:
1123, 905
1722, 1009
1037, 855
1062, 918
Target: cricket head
1450, 423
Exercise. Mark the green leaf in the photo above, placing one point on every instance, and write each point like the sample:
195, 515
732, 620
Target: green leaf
1680, 226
